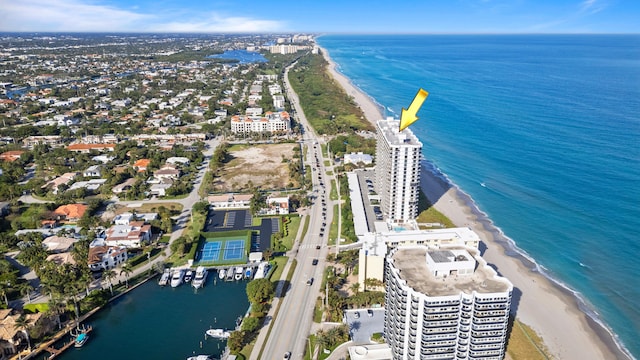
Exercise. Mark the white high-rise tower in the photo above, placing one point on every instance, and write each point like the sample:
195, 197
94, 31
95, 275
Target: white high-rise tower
398, 156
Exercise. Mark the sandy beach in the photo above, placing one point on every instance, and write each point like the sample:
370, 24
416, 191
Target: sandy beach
551, 310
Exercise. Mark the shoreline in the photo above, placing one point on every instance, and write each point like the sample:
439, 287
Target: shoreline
568, 326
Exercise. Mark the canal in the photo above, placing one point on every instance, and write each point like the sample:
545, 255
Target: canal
153, 322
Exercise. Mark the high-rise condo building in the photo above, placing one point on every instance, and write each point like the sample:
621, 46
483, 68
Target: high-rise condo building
444, 303
398, 156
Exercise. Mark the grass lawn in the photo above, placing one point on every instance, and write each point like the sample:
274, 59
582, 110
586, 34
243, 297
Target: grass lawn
333, 231
333, 194
431, 215
280, 262
150, 207
305, 229
525, 344
292, 231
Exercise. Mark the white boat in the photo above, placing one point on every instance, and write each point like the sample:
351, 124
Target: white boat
218, 333
230, 273
222, 273
164, 279
260, 273
188, 276
248, 272
239, 273
200, 357
177, 277
199, 278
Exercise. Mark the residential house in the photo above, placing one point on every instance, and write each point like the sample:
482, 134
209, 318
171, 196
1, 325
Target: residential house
277, 205
58, 244
124, 186
12, 155
167, 173
160, 189
359, 157
133, 235
11, 337
178, 160
70, 212
106, 257
63, 179
141, 165
86, 148
93, 171
51, 140
229, 201
91, 185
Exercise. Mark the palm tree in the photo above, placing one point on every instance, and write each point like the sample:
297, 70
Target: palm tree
25, 289
355, 288
24, 325
109, 275
126, 270
55, 305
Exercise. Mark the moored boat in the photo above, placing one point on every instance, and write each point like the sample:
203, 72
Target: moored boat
177, 277
248, 272
222, 273
200, 277
188, 276
230, 272
200, 357
218, 333
239, 273
81, 339
164, 279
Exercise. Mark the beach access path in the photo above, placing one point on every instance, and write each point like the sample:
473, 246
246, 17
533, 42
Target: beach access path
553, 312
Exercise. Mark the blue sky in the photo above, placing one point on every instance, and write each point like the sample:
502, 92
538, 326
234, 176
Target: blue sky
328, 16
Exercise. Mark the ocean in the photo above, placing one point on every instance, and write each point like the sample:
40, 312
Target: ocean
542, 132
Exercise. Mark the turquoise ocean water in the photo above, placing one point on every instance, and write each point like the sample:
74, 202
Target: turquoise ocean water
542, 132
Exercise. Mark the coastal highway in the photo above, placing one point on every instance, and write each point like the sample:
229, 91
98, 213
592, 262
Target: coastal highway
292, 325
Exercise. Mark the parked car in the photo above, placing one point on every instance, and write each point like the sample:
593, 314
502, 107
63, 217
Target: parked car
356, 315
370, 312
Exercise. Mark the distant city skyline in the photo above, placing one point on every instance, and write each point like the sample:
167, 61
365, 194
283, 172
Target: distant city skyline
374, 16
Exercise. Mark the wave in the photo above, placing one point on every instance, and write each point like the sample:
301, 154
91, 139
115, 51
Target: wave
512, 250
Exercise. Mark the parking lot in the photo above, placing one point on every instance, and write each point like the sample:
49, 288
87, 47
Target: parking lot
363, 323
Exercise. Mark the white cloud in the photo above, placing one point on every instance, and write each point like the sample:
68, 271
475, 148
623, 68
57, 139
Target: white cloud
216, 23
592, 6
66, 15
82, 16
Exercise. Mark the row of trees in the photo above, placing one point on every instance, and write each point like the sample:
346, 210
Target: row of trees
260, 292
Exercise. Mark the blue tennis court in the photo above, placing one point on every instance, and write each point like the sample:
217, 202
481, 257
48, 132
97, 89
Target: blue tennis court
234, 250
210, 251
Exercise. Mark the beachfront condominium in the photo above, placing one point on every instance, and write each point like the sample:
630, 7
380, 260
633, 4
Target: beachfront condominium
444, 303
398, 156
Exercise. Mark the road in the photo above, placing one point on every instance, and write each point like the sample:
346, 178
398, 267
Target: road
296, 313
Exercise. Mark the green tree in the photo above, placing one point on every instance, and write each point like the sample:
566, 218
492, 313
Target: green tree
109, 275
24, 325
250, 324
235, 341
126, 270
25, 289
260, 290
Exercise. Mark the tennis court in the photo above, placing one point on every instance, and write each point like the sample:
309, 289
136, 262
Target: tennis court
234, 250
210, 251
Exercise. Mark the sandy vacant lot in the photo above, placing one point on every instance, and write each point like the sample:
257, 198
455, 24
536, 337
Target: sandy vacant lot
256, 166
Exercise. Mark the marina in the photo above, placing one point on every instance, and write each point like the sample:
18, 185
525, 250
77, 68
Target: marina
138, 319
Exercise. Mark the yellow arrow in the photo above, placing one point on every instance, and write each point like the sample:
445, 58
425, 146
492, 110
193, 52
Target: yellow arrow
409, 116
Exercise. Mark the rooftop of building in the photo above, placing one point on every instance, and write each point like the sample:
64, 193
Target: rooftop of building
411, 261
390, 129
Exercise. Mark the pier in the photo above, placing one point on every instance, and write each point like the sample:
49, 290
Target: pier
55, 352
